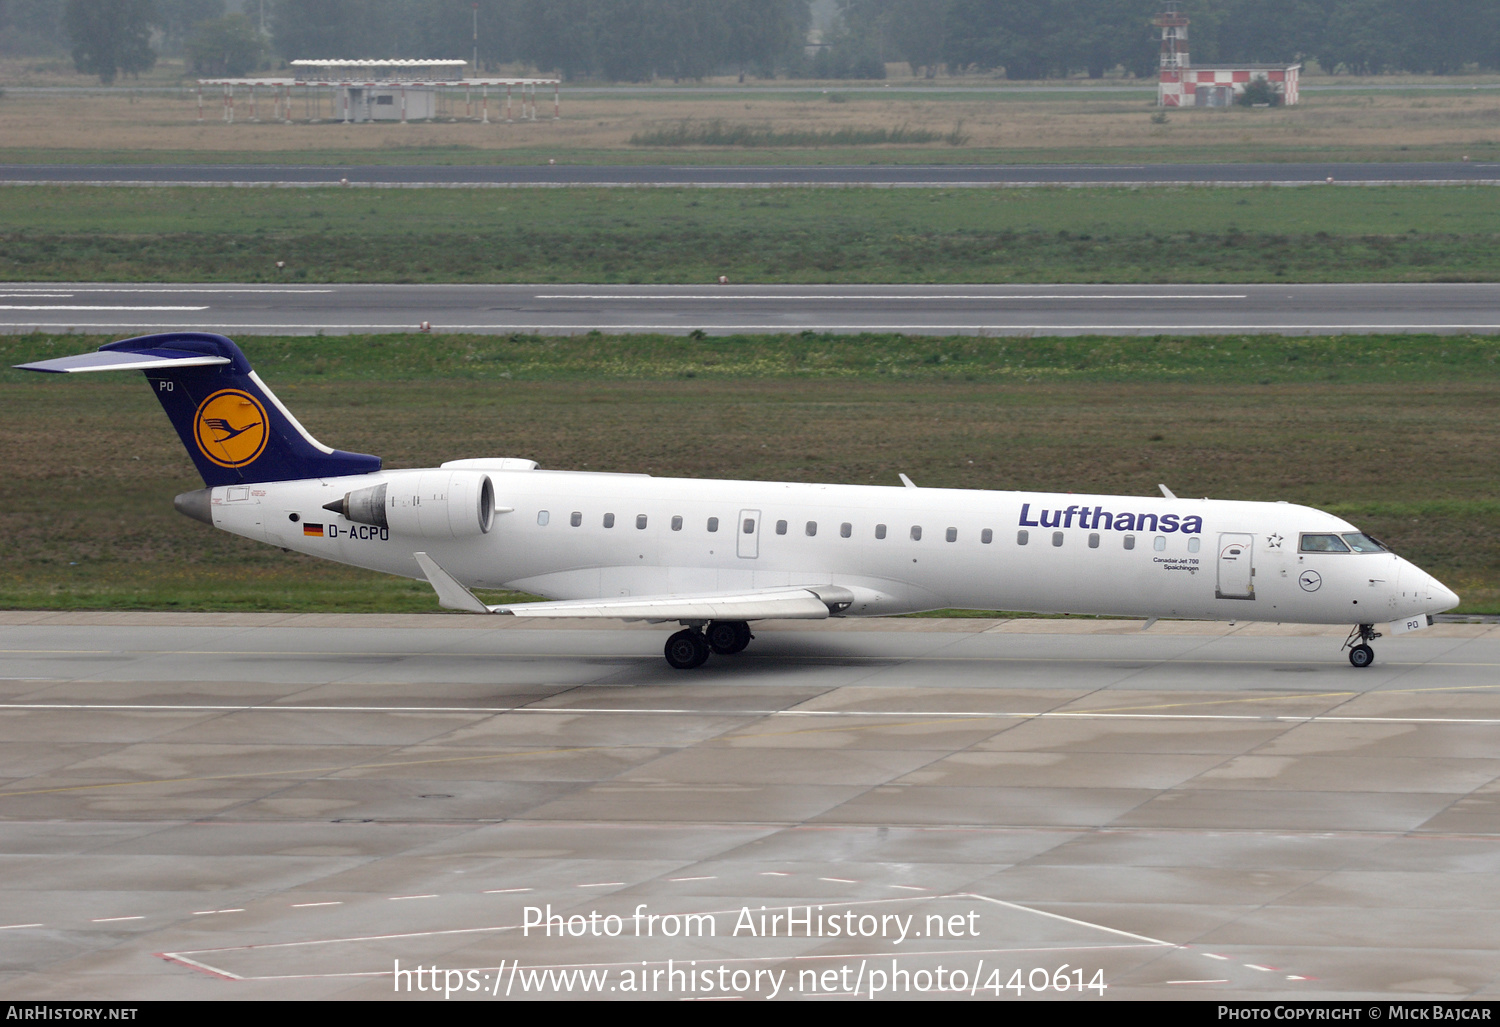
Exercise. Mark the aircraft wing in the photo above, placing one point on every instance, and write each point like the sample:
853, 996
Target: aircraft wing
812, 602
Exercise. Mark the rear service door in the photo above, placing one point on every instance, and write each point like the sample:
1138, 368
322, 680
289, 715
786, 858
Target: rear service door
1236, 569
747, 530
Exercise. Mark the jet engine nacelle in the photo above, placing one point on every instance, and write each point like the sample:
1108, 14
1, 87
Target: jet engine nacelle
430, 504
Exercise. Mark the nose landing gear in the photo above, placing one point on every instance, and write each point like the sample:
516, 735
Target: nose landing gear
690, 647
1360, 653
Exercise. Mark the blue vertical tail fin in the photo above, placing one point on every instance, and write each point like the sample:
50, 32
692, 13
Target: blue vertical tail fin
235, 429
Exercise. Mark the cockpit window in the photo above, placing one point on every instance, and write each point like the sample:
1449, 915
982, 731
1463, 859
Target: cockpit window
1362, 543
1323, 544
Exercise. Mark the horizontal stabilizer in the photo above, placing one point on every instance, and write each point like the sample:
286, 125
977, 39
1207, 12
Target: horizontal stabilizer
139, 360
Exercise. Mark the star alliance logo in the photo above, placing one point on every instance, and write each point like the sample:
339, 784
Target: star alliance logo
1273, 541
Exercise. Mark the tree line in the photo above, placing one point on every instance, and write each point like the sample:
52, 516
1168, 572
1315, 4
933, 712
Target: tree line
1030, 39
638, 40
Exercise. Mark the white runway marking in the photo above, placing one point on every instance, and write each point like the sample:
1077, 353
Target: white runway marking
8, 306
114, 919
730, 297
146, 290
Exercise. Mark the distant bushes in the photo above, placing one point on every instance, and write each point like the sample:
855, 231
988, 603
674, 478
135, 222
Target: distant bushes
720, 133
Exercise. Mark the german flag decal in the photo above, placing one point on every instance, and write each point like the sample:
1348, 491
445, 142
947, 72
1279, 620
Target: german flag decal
313, 530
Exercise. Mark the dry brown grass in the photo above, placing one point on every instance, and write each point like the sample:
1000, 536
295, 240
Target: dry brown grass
1435, 124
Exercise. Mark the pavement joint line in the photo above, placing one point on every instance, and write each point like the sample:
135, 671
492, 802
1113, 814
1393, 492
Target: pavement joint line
579, 749
1150, 662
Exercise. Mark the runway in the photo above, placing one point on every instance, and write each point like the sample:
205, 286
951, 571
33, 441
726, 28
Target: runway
733, 309
750, 176
268, 806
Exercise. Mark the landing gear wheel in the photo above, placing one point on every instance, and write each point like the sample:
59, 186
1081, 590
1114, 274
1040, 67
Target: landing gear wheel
728, 636
1360, 653
687, 649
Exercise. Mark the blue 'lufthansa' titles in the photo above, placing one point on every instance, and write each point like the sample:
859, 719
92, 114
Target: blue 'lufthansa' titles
1101, 519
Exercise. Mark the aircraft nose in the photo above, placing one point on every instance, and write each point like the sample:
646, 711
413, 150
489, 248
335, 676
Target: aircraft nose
1443, 597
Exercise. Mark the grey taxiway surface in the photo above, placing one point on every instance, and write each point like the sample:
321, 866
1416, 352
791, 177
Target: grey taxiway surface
749, 176
727, 309
248, 806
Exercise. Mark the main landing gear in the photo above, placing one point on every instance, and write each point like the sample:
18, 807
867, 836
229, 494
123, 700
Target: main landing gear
691, 646
1360, 653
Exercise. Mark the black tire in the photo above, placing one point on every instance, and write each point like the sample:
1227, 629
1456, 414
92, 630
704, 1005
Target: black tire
727, 637
1361, 656
686, 650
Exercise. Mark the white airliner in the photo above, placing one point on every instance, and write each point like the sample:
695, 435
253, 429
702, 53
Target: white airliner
714, 556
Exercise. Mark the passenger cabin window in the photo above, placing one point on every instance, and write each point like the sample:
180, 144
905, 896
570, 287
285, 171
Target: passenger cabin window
1094, 540
640, 521
609, 520
1023, 537
811, 529
1160, 545
577, 519
1323, 544
1194, 545
1129, 541
713, 524
749, 526
1057, 538
916, 533
987, 536
846, 529
781, 527
542, 517
880, 531
951, 535
677, 523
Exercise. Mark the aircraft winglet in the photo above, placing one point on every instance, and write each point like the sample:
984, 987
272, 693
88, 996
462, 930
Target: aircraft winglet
1166, 492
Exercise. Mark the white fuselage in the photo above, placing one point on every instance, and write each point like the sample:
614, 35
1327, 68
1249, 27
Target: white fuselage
642, 536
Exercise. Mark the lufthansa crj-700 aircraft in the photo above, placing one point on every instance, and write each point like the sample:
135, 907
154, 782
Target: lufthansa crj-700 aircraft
714, 556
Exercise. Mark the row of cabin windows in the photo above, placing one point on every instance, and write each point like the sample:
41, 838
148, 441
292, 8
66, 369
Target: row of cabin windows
846, 530
1159, 544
